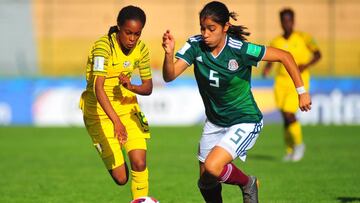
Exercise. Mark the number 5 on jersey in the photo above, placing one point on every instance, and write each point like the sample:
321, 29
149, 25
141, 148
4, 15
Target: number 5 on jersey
214, 79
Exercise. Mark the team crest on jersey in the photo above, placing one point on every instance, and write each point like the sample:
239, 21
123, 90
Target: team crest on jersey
126, 64
233, 65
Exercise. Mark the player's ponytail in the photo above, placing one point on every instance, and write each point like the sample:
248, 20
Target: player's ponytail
113, 29
237, 31
219, 13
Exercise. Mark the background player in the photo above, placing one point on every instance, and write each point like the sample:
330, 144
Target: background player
111, 112
306, 53
222, 65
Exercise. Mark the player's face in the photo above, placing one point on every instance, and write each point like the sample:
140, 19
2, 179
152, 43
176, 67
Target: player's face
287, 23
212, 32
129, 33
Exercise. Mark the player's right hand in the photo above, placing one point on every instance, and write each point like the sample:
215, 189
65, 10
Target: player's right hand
305, 102
120, 132
168, 42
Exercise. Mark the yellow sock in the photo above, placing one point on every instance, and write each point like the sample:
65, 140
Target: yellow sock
139, 183
295, 133
289, 144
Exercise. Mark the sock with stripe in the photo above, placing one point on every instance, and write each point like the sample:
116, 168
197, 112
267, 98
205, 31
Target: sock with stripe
232, 175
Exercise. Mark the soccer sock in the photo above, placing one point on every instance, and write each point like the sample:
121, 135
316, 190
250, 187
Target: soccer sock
295, 132
211, 193
139, 183
232, 175
289, 144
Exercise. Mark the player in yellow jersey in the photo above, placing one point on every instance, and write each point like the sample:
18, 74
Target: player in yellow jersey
111, 112
306, 53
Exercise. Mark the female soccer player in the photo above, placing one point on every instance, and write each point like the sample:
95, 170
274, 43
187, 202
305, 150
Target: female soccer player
222, 64
306, 53
111, 112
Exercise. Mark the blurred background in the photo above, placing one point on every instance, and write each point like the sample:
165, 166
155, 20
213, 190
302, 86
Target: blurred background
44, 47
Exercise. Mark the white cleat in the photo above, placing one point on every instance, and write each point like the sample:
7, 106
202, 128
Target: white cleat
299, 151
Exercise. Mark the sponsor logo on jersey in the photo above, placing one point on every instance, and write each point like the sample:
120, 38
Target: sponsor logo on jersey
199, 58
126, 64
233, 65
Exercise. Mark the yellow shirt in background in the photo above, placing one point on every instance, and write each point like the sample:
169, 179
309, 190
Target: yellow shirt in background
301, 46
107, 59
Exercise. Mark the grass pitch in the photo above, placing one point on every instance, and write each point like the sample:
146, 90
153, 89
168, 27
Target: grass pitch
60, 165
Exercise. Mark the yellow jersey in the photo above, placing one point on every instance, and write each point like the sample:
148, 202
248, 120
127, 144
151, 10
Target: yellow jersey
107, 59
301, 46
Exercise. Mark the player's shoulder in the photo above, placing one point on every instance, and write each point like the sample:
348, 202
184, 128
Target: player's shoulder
277, 39
195, 40
235, 43
303, 35
103, 41
141, 46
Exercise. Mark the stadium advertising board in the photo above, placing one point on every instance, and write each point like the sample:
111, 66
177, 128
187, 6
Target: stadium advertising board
54, 102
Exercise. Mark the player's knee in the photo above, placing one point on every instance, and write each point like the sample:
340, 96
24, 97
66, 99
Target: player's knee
119, 179
289, 118
139, 165
212, 168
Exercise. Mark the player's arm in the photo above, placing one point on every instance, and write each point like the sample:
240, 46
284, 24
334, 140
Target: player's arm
278, 55
267, 69
171, 69
145, 88
313, 47
119, 128
315, 58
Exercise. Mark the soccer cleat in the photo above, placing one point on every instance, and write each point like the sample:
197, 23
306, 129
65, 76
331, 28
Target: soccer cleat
250, 190
299, 151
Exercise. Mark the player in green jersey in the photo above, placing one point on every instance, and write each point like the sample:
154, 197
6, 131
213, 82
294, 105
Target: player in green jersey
222, 61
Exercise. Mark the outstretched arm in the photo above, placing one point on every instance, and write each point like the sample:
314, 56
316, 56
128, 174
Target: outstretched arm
171, 70
278, 55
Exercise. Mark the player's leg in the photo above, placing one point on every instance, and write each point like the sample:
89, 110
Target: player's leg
136, 146
209, 186
139, 173
120, 174
293, 129
109, 149
237, 140
293, 132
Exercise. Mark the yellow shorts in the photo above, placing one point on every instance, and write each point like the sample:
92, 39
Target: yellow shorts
286, 97
101, 132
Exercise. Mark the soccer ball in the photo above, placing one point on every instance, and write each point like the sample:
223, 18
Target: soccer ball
145, 200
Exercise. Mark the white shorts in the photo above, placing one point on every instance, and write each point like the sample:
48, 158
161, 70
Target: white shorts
236, 139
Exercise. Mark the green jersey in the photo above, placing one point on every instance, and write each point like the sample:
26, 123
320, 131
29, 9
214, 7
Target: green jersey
224, 81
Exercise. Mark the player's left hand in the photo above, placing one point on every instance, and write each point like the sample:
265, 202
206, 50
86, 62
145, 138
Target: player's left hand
305, 102
125, 81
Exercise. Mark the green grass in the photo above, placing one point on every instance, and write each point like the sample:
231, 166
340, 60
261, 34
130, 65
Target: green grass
60, 165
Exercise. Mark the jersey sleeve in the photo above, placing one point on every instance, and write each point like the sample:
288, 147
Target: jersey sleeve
101, 53
187, 53
144, 63
310, 42
252, 54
